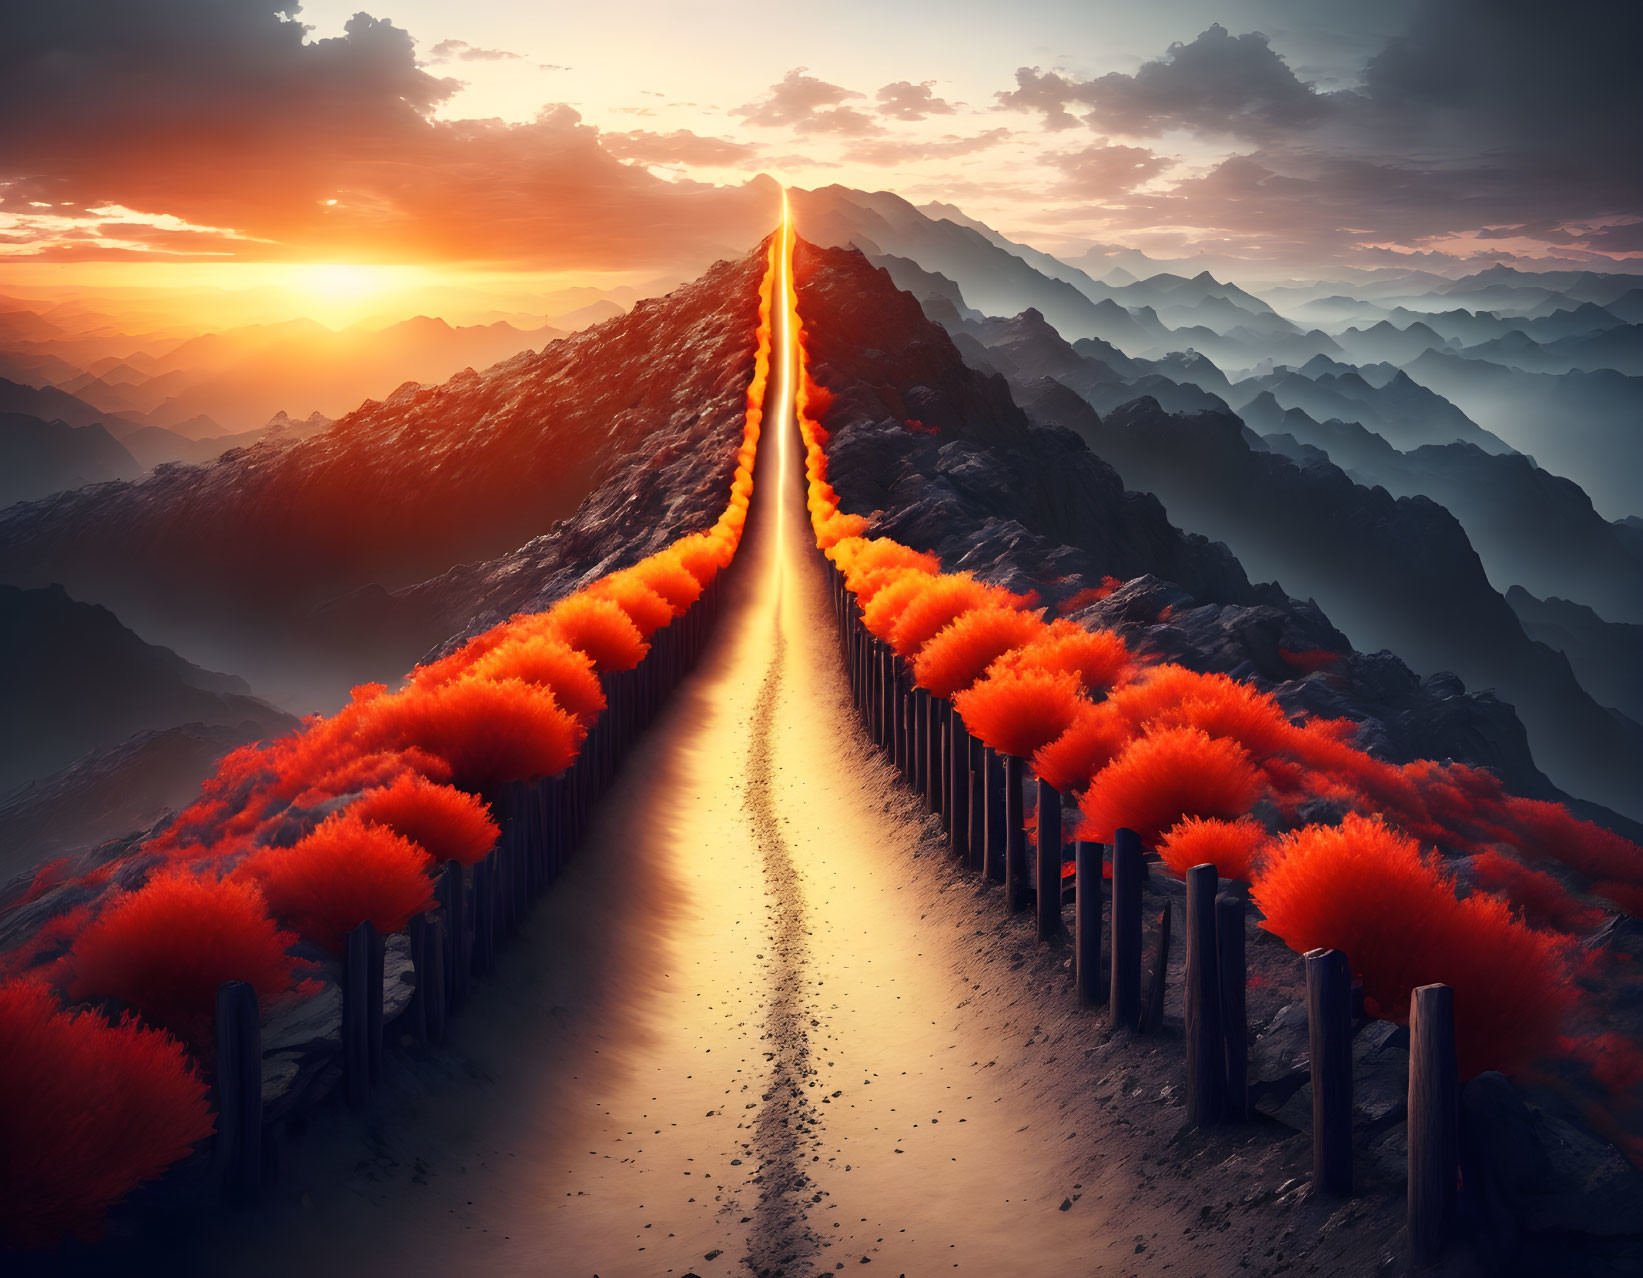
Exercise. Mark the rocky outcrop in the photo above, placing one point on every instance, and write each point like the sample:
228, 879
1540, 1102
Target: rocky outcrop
1607, 656
74, 679
251, 552
940, 456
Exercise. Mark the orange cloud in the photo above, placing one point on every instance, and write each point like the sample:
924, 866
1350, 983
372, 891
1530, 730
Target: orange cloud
223, 118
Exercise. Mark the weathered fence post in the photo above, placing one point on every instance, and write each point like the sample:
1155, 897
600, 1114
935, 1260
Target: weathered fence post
1048, 913
449, 891
238, 1150
1434, 1120
997, 817
1234, 966
361, 1011
1087, 922
1015, 832
437, 1005
376, 952
958, 783
1152, 1016
1206, 1046
1329, 1020
934, 769
1124, 996
976, 838
485, 876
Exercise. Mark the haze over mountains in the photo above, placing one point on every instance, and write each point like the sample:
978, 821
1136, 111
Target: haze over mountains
1402, 446
1445, 465
111, 396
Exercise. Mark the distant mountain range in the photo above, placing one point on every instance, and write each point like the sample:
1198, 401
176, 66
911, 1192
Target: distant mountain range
73, 679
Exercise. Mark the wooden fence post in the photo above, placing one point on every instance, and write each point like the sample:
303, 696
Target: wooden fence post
976, 837
1015, 832
485, 912
1124, 996
437, 1005
996, 815
238, 1149
1048, 887
1329, 1020
1087, 923
958, 783
934, 766
1234, 968
1206, 1046
1152, 1015
361, 1011
451, 893
1434, 1120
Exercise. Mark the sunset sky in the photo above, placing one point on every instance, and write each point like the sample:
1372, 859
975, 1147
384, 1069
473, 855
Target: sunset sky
627, 140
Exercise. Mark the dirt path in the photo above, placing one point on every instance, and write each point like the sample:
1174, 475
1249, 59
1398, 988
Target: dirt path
763, 1026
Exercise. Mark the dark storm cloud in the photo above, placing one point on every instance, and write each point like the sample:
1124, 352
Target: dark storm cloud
218, 112
1219, 84
1489, 118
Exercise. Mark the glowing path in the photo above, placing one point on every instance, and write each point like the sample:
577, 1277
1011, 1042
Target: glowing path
747, 1033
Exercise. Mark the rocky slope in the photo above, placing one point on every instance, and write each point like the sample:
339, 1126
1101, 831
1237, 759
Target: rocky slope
248, 556
38, 458
1606, 655
1583, 425
939, 455
73, 679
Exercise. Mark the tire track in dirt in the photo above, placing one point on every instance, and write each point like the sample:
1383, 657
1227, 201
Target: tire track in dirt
784, 1133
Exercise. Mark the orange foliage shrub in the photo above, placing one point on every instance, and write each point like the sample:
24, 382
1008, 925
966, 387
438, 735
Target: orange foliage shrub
599, 628
645, 608
1099, 658
1628, 896
446, 823
943, 599
1364, 889
1544, 901
1153, 690
341, 875
1552, 830
355, 772
703, 554
88, 1111
666, 574
869, 565
1087, 596
892, 598
549, 662
1234, 848
165, 948
1223, 707
1309, 660
1017, 712
1169, 774
1091, 741
957, 656
487, 730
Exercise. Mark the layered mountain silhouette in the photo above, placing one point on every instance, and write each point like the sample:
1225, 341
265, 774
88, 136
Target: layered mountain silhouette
77, 680
38, 457
937, 453
1580, 424
280, 560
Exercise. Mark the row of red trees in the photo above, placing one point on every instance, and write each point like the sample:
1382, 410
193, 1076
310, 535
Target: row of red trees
106, 1011
1188, 760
